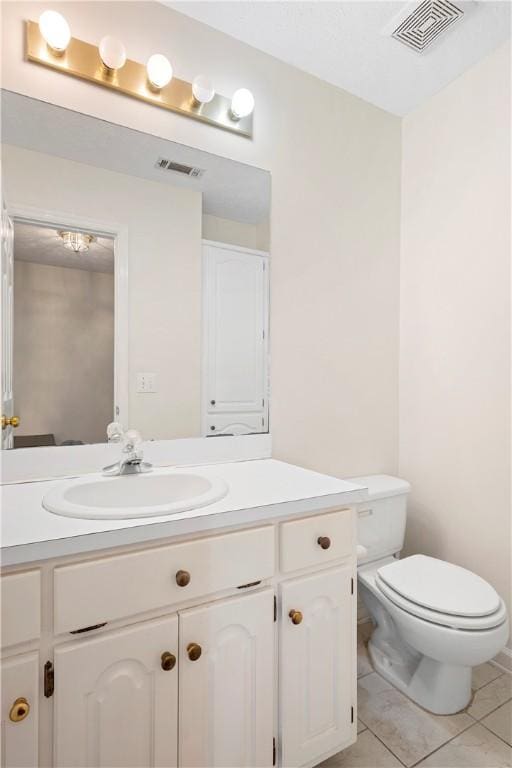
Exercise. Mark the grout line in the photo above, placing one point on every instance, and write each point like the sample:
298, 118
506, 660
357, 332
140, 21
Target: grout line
491, 710
452, 738
388, 749
494, 734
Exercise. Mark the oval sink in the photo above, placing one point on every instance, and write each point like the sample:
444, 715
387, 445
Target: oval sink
147, 495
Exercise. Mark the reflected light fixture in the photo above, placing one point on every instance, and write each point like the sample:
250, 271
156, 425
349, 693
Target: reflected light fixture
112, 53
159, 71
78, 242
202, 89
242, 103
55, 31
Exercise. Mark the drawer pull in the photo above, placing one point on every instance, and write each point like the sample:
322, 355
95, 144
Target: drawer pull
182, 578
295, 616
194, 651
168, 661
324, 542
19, 710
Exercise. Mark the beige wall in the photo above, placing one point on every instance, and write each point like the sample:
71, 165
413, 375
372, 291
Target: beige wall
335, 164
455, 322
63, 351
164, 266
255, 236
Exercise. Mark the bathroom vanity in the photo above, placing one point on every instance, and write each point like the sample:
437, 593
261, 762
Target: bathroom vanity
220, 636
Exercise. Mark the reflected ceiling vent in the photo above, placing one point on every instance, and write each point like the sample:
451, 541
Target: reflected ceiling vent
421, 24
185, 170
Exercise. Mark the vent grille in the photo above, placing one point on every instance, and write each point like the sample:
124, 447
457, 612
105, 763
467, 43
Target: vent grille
426, 23
186, 170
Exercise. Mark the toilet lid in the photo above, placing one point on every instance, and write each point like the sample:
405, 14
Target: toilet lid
440, 586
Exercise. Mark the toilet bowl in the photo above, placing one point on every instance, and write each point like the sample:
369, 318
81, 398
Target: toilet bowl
433, 620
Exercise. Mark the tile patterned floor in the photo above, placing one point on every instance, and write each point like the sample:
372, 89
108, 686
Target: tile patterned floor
392, 731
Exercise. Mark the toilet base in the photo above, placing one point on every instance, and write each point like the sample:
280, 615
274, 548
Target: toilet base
443, 689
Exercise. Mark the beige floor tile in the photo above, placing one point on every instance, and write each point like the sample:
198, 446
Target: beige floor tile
491, 696
484, 674
475, 748
360, 726
500, 722
367, 752
408, 731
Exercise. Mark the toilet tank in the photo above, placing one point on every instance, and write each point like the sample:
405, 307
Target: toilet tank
382, 517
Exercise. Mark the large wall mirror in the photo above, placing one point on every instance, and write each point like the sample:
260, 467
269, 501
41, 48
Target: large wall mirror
135, 283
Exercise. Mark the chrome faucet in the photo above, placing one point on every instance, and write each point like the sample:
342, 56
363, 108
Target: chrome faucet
131, 461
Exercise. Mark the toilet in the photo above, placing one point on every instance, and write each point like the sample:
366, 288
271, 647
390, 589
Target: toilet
433, 620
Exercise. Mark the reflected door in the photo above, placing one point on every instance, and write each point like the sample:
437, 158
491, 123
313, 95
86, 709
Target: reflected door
7, 267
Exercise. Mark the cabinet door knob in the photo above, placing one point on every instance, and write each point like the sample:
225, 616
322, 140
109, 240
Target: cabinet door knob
324, 542
295, 616
212, 402
194, 651
182, 578
19, 710
168, 661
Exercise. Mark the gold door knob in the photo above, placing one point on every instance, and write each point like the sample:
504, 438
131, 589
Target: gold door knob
182, 578
19, 710
194, 651
168, 661
295, 616
12, 421
324, 542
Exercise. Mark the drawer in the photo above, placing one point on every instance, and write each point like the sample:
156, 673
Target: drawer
21, 607
302, 540
115, 587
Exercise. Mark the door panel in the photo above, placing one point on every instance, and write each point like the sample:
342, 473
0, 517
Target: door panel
235, 317
19, 738
115, 707
317, 665
236, 423
6, 318
226, 695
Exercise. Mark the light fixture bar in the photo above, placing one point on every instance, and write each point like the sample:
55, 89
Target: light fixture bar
82, 60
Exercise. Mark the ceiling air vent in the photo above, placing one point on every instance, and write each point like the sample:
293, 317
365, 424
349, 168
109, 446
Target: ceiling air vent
185, 170
420, 27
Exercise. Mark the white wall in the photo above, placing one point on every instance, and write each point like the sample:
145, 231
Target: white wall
63, 361
164, 264
455, 322
256, 236
335, 164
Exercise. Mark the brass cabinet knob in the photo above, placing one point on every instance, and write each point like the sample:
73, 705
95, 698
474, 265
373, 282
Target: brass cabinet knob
168, 661
324, 542
19, 710
295, 616
194, 651
13, 421
182, 578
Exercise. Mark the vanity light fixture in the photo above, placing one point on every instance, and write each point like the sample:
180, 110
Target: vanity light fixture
112, 53
78, 242
55, 31
242, 103
159, 71
202, 89
107, 65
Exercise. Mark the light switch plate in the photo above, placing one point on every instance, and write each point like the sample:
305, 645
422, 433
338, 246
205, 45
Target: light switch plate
146, 383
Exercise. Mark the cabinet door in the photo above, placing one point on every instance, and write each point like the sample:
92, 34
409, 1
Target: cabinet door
115, 706
317, 674
234, 336
226, 693
19, 737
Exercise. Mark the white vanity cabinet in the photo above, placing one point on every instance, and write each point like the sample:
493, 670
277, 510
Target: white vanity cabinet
228, 650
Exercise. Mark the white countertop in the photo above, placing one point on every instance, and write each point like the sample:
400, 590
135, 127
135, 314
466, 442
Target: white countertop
259, 490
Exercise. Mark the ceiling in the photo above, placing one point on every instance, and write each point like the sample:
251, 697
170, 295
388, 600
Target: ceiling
343, 43
231, 190
42, 245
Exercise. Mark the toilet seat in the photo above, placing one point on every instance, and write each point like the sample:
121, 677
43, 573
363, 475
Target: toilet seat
441, 593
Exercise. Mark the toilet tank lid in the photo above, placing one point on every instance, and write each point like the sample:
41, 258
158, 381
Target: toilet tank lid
382, 486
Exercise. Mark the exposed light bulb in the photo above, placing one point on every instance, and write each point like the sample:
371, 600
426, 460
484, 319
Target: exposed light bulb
55, 30
202, 89
159, 70
242, 104
112, 52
